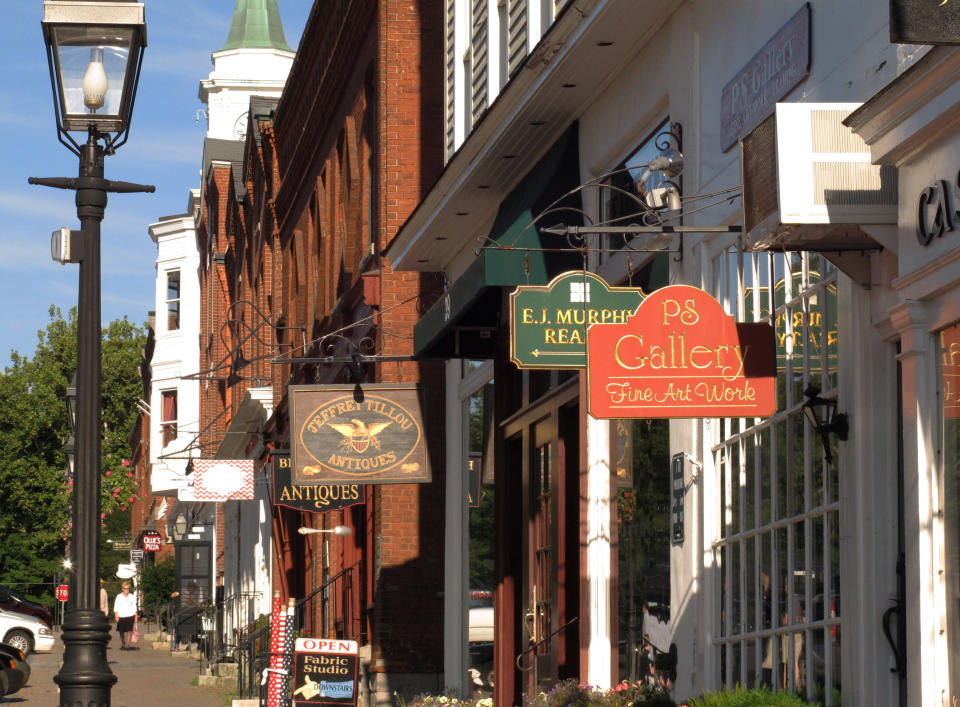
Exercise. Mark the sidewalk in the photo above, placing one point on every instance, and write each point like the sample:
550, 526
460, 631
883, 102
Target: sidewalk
145, 678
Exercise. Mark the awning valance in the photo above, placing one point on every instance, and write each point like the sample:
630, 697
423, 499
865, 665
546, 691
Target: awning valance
462, 322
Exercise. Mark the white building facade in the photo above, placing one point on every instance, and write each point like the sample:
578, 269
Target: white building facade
823, 565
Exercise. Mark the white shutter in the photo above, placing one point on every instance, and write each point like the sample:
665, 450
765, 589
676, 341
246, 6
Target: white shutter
478, 66
449, 78
516, 34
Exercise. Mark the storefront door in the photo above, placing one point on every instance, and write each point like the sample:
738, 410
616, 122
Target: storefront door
543, 449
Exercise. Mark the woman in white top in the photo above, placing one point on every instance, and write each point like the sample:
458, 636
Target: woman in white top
125, 612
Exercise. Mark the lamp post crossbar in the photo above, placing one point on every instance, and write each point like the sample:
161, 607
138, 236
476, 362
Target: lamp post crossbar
85, 677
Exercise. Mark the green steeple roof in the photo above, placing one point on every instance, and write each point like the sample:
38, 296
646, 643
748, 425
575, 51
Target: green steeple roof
256, 25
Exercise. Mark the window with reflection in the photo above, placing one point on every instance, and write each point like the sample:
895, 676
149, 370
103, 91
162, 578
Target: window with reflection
623, 195
168, 419
949, 350
641, 464
777, 553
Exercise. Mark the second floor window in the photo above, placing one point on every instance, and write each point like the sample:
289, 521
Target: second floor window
168, 419
173, 300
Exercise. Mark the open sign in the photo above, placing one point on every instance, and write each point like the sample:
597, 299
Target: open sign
325, 672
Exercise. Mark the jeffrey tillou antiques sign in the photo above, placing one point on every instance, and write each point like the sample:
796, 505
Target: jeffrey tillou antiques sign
325, 672
782, 63
371, 436
681, 355
309, 497
548, 323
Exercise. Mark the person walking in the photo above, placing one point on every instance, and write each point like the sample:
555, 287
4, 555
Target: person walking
125, 613
104, 601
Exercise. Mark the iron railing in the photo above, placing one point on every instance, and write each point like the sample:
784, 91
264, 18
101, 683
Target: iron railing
220, 624
329, 610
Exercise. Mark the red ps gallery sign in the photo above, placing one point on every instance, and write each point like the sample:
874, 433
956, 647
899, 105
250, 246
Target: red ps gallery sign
681, 355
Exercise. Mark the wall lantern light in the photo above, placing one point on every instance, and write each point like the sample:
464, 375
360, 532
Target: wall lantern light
71, 399
825, 423
69, 449
180, 526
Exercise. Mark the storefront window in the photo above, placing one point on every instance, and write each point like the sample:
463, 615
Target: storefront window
778, 546
949, 349
642, 467
477, 401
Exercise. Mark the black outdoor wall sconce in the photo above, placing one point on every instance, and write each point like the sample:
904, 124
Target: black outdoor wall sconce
833, 422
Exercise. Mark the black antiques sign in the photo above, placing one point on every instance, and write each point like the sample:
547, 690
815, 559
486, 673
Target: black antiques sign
925, 21
371, 437
325, 672
771, 74
310, 497
677, 493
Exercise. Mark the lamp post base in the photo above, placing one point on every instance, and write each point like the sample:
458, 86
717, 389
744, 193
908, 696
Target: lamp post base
85, 678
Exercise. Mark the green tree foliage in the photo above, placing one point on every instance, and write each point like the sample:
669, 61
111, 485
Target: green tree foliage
158, 580
35, 514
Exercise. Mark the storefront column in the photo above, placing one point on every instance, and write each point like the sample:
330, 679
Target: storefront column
926, 649
455, 549
598, 554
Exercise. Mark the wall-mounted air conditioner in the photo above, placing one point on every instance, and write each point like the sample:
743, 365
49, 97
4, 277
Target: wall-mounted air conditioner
808, 183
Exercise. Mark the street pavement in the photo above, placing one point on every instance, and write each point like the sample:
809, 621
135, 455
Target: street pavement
145, 678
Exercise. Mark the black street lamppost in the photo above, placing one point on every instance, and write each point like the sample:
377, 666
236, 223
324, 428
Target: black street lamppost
95, 50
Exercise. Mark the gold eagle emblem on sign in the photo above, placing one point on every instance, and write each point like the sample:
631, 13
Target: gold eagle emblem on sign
358, 436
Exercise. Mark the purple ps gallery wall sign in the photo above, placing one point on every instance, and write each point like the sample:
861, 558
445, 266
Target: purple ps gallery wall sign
774, 71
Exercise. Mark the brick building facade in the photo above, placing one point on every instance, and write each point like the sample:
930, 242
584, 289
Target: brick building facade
293, 224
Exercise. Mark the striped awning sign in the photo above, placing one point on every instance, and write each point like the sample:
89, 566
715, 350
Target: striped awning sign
220, 480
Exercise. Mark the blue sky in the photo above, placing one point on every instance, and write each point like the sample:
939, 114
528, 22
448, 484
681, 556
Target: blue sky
164, 149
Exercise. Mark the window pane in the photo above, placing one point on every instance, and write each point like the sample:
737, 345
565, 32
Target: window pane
735, 587
817, 568
735, 487
766, 489
173, 300
798, 585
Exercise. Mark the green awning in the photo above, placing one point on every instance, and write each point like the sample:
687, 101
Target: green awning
463, 321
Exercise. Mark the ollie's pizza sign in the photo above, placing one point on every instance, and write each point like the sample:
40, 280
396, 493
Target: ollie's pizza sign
681, 355
152, 541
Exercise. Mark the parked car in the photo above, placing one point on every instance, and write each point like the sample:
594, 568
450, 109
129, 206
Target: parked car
480, 636
25, 633
481, 623
19, 658
11, 600
15, 677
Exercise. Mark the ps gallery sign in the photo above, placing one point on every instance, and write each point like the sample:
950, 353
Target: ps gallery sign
681, 355
314, 498
345, 435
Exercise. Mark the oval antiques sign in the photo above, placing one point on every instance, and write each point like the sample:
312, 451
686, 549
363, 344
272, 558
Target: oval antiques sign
681, 355
374, 438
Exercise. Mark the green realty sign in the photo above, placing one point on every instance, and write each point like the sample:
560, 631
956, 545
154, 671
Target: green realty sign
548, 324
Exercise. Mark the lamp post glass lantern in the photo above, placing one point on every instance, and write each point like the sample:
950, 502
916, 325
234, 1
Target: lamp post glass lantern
94, 49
